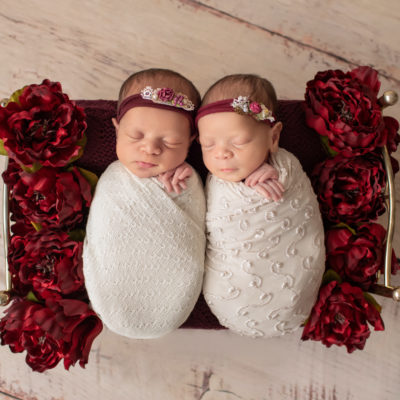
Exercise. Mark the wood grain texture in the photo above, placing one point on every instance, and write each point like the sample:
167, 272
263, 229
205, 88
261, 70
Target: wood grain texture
357, 33
91, 47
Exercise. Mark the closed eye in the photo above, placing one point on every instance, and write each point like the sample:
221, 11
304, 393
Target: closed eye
241, 143
135, 136
206, 145
171, 144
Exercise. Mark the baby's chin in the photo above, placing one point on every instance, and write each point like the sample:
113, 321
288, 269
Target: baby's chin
144, 172
230, 176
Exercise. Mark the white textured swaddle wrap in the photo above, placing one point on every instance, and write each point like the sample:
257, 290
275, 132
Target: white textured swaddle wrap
143, 255
264, 259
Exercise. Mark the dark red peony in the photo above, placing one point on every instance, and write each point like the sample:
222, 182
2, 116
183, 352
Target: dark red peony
73, 322
11, 177
43, 127
343, 107
341, 316
350, 190
390, 133
20, 330
60, 328
47, 262
357, 257
52, 197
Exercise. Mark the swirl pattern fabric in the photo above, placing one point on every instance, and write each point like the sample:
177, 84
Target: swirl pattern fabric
144, 253
264, 259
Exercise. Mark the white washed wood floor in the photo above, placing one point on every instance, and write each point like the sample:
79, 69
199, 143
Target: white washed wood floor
91, 46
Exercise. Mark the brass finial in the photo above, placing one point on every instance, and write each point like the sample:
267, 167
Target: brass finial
4, 298
396, 294
389, 98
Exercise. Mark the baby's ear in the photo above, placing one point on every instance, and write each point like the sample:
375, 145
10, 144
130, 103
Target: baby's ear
116, 124
276, 133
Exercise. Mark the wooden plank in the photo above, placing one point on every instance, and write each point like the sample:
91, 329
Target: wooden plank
359, 33
119, 39
6, 396
189, 364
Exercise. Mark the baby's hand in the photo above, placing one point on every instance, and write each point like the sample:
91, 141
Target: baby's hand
265, 181
174, 179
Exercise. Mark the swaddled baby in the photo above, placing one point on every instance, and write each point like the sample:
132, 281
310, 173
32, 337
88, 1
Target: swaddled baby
265, 246
144, 247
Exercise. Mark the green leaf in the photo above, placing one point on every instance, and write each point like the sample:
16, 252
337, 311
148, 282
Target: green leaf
343, 225
371, 300
15, 96
328, 149
3, 151
37, 226
329, 276
31, 296
90, 177
35, 167
77, 235
82, 144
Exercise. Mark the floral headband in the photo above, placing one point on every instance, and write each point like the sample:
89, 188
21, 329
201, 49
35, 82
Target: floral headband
164, 98
241, 105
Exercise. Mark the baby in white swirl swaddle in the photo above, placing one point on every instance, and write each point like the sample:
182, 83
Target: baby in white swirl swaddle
143, 257
265, 251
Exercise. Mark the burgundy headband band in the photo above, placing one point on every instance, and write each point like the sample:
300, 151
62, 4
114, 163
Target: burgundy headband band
136, 100
241, 105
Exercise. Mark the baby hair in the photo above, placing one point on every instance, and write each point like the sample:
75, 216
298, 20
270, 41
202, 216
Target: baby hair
231, 86
159, 78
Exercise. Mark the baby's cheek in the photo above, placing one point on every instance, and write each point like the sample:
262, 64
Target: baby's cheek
208, 163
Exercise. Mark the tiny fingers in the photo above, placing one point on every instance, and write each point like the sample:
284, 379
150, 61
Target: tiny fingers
186, 173
261, 190
274, 189
251, 180
271, 174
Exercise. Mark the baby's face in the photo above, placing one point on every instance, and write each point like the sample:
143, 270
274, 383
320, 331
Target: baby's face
235, 145
151, 141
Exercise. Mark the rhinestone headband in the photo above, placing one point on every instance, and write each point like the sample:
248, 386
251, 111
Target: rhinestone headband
241, 105
164, 98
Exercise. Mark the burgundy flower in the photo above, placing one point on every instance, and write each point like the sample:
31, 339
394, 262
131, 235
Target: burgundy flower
357, 257
44, 127
46, 261
10, 177
166, 94
350, 189
52, 197
60, 328
19, 330
390, 133
255, 107
76, 325
340, 316
344, 108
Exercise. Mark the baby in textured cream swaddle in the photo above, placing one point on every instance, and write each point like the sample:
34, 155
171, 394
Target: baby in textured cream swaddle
143, 257
265, 251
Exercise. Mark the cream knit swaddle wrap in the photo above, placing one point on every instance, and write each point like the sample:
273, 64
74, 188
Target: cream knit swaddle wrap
264, 260
144, 253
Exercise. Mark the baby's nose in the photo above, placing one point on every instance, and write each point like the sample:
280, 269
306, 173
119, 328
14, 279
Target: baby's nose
223, 153
152, 147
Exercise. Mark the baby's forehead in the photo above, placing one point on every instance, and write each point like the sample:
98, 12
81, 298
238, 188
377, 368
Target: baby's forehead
234, 89
137, 86
150, 119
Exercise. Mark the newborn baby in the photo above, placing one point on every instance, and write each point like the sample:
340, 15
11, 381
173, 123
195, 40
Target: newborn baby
144, 247
265, 246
